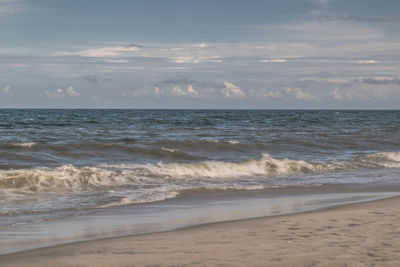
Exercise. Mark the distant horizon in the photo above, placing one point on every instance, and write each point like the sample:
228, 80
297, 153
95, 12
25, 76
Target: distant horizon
200, 109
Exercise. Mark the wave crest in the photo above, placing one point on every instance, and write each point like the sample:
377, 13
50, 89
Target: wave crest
267, 165
72, 178
21, 145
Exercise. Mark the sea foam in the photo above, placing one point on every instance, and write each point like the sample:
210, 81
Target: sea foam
24, 145
72, 178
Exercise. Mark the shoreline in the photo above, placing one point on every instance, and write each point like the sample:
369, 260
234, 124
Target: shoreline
186, 210
352, 229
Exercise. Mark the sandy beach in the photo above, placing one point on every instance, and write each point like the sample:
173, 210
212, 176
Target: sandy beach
365, 234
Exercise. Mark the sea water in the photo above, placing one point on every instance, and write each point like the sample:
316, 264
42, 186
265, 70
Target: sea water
57, 164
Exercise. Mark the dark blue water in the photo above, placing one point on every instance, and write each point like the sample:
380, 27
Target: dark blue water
61, 162
34, 138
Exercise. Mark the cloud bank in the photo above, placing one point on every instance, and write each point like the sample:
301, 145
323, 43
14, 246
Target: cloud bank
232, 90
60, 93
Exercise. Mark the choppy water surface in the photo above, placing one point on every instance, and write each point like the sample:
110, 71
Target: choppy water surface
56, 163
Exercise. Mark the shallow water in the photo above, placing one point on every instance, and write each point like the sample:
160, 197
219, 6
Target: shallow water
191, 209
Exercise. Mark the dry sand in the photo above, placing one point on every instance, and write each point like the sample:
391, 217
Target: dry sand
366, 234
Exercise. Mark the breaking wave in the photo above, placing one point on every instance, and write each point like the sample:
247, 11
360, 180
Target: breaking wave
71, 178
21, 145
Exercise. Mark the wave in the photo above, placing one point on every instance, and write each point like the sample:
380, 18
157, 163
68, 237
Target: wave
20, 145
377, 160
205, 144
232, 142
145, 197
71, 178
171, 150
76, 149
120, 202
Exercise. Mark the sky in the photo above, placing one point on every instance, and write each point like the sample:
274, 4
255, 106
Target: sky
289, 54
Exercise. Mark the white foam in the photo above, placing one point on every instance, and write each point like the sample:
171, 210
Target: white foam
247, 187
172, 150
164, 193
233, 142
24, 145
383, 159
60, 178
220, 169
122, 201
146, 176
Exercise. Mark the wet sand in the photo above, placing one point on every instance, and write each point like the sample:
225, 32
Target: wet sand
366, 234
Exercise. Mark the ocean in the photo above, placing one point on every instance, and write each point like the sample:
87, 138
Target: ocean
118, 168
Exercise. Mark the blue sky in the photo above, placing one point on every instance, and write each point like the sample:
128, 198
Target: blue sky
200, 54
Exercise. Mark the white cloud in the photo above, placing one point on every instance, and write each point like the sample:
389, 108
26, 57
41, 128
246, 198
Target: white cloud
201, 45
115, 60
232, 90
382, 80
300, 94
366, 61
176, 90
265, 93
70, 91
157, 90
138, 93
308, 94
365, 92
342, 94
183, 54
304, 39
323, 35
183, 60
7, 89
60, 93
111, 51
272, 94
277, 60
191, 91
194, 59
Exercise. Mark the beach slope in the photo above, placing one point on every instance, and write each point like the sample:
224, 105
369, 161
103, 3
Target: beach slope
365, 234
